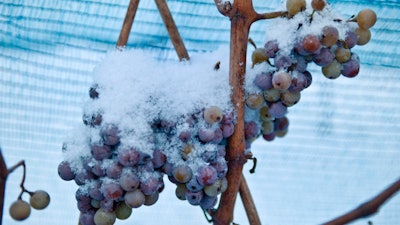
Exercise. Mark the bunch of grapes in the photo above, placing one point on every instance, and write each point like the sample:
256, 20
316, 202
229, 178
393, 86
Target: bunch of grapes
21, 209
115, 175
316, 36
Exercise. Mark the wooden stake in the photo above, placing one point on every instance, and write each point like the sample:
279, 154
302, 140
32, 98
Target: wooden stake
172, 30
248, 203
3, 178
127, 25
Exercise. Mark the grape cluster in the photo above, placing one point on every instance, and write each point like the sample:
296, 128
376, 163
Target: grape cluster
21, 209
116, 175
317, 37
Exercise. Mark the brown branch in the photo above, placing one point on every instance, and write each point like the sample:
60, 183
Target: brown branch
368, 208
3, 178
248, 203
172, 30
271, 15
242, 16
127, 25
224, 7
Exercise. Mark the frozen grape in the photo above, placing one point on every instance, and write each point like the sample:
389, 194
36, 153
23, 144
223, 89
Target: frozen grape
281, 124
333, 70
311, 43
180, 191
295, 6
65, 171
259, 55
87, 218
318, 5
92, 119
264, 114
134, 199
39, 199
277, 109
323, 57
95, 191
93, 93
269, 137
251, 130
350, 39
122, 211
352, 67
299, 81
208, 202
206, 175
272, 95
129, 181
213, 114
185, 136
330, 36
128, 156
282, 61
159, 159
102, 217
206, 134
151, 199
182, 173
114, 170
193, 185
194, 198
366, 18
149, 186
20, 210
267, 127
100, 152
186, 151
363, 36
281, 80
255, 101
342, 54
218, 136
110, 134
83, 176
111, 190
227, 129
271, 48
221, 166
290, 98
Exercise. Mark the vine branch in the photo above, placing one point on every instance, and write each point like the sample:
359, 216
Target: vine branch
368, 208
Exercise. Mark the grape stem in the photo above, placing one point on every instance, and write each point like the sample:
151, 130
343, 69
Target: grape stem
4, 172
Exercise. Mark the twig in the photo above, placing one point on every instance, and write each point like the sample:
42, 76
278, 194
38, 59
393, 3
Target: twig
127, 25
224, 7
368, 208
172, 30
248, 203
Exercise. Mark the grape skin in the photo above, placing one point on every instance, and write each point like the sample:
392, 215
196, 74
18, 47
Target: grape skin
295, 6
20, 210
363, 36
39, 199
366, 18
102, 217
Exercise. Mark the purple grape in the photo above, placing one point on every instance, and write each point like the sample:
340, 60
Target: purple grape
167, 169
206, 134
308, 78
227, 118
84, 206
128, 156
352, 67
208, 202
194, 198
299, 82
149, 186
111, 190
301, 63
218, 136
269, 137
65, 171
206, 175
193, 185
263, 80
94, 191
159, 159
351, 39
107, 205
100, 151
227, 129
271, 48
281, 124
282, 61
81, 194
114, 170
97, 169
92, 119
93, 93
110, 134
182, 173
277, 109
87, 218
129, 181
83, 176
144, 158
324, 57
209, 155
251, 130
221, 166
185, 136
151, 199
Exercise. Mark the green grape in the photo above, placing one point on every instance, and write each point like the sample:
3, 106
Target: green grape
295, 6
342, 54
264, 114
180, 191
151, 199
255, 101
333, 70
272, 95
123, 211
267, 127
363, 36
134, 199
289, 98
102, 217
259, 55
20, 210
39, 199
366, 18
